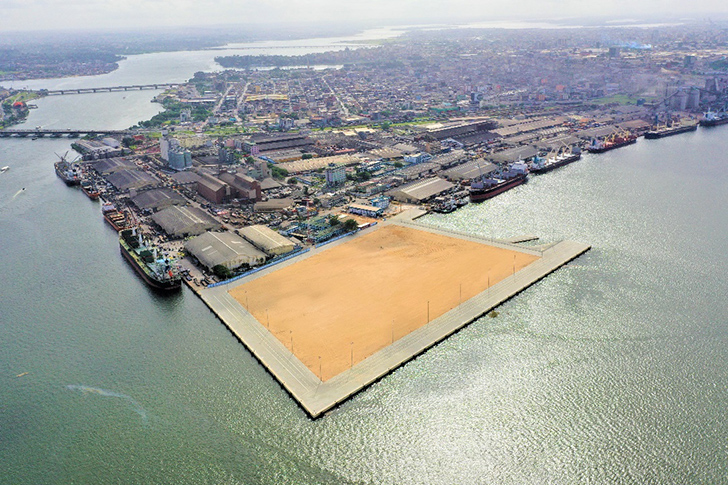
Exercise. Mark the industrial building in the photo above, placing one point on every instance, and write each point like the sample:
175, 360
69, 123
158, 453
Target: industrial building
515, 154
132, 179
267, 240
317, 163
111, 165
421, 191
185, 221
157, 199
365, 210
273, 205
224, 248
469, 171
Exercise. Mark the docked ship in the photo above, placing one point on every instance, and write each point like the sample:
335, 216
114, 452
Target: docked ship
89, 188
68, 172
712, 118
158, 272
488, 187
116, 218
611, 142
543, 165
674, 129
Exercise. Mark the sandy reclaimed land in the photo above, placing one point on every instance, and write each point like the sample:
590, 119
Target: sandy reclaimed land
344, 304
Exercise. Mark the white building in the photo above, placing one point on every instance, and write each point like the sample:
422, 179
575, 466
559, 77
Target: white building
335, 175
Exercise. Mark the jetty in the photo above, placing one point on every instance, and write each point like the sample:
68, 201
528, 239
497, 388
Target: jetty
317, 391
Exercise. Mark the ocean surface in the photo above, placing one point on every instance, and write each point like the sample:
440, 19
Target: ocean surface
612, 370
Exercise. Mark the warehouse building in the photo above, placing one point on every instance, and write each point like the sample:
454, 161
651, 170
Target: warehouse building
132, 179
469, 171
421, 191
157, 199
274, 205
111, 165
185, 221
365, 210
224, 248
267, 240
515, 154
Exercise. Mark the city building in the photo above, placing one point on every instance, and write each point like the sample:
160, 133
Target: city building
335, 175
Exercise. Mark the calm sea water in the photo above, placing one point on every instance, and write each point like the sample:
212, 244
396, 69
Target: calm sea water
612, 370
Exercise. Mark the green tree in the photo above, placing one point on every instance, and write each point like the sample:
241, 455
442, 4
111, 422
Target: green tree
221, 271
350, 225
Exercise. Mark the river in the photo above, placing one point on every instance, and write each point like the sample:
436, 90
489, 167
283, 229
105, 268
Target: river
612, 370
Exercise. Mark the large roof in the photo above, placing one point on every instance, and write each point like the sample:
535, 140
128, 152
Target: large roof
469, 170
225, 248
110, 165
265, 238
131, 179
157, 199
185, 221
316, 163
515, 154
425, 189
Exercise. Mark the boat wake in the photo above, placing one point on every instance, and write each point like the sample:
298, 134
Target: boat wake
102, 392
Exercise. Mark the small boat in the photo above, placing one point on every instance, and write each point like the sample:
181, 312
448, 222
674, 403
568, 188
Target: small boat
4, 169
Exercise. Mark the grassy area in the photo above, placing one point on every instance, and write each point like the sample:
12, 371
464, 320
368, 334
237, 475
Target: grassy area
225, 130
23, 96
618, 99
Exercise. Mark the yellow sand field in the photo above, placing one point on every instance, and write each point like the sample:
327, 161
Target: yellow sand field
370, 291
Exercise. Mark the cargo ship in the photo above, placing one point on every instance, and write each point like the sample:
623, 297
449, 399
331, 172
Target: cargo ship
89, 188
68, 172
543, 165
711, 118
675, 129
158, 272
611, 142
487, 188
116, 218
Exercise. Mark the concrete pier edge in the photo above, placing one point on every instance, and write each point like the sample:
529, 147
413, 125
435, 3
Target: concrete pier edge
316, 397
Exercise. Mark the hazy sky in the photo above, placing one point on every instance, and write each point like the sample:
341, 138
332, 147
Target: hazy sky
91, 14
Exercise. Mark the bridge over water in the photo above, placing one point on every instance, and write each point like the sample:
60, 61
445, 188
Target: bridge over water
39, 133
107, 89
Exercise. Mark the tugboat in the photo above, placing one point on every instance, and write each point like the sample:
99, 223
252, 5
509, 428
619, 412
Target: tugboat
487, 188
158, 272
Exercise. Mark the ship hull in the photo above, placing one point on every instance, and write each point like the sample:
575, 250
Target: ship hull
117, 223
709, 123
653, 135
556, 165
611, 147
159, 285
478, 195
69, 182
